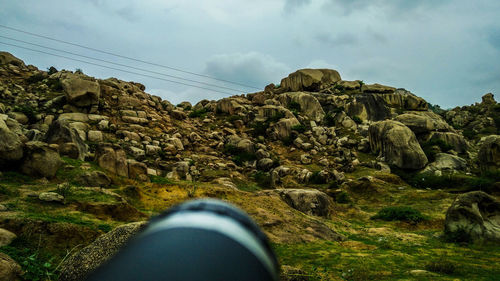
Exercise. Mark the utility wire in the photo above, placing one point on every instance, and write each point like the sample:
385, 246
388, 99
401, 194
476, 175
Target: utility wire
122, 70
125, 57
124, 65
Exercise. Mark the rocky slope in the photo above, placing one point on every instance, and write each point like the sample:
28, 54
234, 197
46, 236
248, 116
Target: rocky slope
311, 159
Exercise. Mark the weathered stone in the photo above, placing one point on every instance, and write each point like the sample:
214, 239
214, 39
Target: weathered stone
309, 105
60, 133
40, 160
95, 178
265, 164
6, 237
94, 136
397, 144
231, 106
112, 159
309, 201
457, 141
446, 163
51, 197
309, 79
7, 58
423, 122
489, 153
11, 147
178, 114
283, 128
80, 90
137, 170
9, 269
475, 215
83, 262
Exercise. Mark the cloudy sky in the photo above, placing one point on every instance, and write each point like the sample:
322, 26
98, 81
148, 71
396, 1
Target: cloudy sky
447, 51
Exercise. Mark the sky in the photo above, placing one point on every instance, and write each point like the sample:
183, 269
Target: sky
446, 51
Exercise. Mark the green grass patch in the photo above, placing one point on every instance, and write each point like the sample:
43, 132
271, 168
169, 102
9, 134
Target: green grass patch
400, 213
160, 180
36, 265
200, 113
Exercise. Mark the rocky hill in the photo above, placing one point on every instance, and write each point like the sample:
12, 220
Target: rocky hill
350, 181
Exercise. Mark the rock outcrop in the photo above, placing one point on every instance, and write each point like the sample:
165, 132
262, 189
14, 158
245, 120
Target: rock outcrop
489, 153
309, 79
11, 147
397, 144
474, 216
41, 160
309, 201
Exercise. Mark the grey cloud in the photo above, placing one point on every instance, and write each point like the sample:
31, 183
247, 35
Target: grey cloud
337, 40
291, 5
494, 38
394, 6
252, 68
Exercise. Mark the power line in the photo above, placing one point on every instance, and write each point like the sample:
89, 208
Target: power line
122, 70
123, 65
125, 57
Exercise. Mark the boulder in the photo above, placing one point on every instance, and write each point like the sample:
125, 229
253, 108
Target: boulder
177, 114
309, 105
489, 153
265, 164
423, 122
137, 170
94, 136
232, 106
283, 128
309, 201
6, 237
51, 197
309, 79
474, 216
11, 147
80, 90
457, 141
8, 58
83, 262
95, 178
446, 163
9, 269
40, 160
61, 133
397, 144
112, 159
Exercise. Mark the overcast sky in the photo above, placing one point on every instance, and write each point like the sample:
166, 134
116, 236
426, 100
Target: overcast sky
443, 50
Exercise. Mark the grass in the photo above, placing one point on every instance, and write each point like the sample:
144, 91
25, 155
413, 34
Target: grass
160, 180
36, 265
400, 213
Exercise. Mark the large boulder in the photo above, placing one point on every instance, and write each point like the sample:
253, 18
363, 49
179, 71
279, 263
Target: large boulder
41, 160
423, 122
69, 141
8, 58
309, 201
80, 264
489, 153
447, 163
113, 159
474, 216
232, 106
397, 144
283, 128
80, 90
11, 147
309, 105
309, 79
457, 141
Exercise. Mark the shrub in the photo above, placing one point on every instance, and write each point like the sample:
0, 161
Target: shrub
55, 84
329, 120
28, 111
316, 178
356, 119
51, 70
239, 156
34, 265
294, 107
342, 198
159, 180
276, 117
200, 113
262, 179
299, 128
259, 128
79, 71
442, 265
399, 213
35, 78
427, 147
457, 181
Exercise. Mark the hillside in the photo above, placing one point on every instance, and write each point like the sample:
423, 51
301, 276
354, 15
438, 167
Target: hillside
313, 160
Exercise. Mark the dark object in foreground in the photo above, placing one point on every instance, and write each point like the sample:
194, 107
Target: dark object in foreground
198, 240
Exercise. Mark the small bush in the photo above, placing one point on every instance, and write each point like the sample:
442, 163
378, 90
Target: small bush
401, 213
456, 181
79, 71
262, 179
64, 190
259, 128
35, 78
28, 111
427, 147
51, 70
55, 85
342, 198
200, 113
356, 119
35, 266
299, 128
104, 227
160, 180
294, 107
316, 178
276, 117
329, 119
288, 141
239, 156
442, 266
